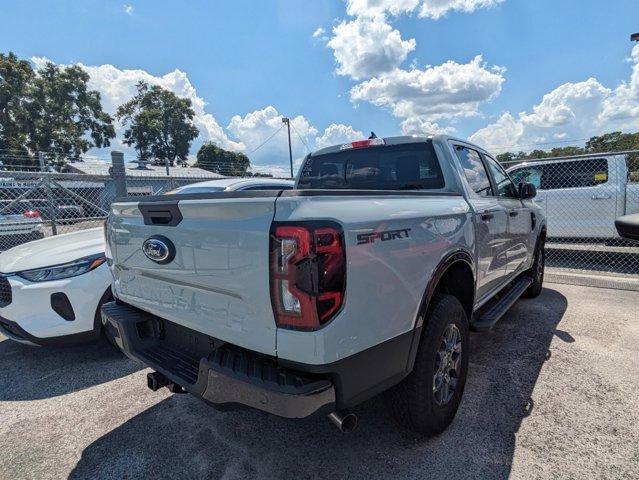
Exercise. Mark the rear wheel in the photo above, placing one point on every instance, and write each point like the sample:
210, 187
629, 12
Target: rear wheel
426, 401
537, 271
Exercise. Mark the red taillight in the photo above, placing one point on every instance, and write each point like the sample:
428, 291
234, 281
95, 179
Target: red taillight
308, 274
31, 214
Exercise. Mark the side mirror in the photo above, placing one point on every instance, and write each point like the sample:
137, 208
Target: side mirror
527, 190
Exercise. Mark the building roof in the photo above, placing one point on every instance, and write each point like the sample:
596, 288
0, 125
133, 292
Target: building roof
132, 170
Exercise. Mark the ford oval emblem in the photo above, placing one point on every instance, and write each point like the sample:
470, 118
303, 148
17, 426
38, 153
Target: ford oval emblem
159, 249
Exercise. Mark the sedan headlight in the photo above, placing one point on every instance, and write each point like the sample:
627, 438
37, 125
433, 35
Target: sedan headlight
66, 270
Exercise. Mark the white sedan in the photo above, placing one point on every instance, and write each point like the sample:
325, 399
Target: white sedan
51, 290
235, 184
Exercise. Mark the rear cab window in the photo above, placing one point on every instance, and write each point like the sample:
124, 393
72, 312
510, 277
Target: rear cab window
409, 166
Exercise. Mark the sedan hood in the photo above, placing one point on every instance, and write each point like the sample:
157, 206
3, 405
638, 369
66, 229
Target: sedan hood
52, 251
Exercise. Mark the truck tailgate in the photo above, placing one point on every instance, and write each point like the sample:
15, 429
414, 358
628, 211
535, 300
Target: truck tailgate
218, 281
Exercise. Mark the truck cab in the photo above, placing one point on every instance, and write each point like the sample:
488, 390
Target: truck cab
581, 196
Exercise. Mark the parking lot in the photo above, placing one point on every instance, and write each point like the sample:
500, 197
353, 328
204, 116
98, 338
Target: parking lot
552, 392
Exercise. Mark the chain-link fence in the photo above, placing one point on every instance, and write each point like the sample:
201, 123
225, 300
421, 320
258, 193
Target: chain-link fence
34, 205
582, 196
37, 202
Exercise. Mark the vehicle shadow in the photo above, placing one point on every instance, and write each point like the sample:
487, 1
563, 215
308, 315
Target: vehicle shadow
181, 436
34, 373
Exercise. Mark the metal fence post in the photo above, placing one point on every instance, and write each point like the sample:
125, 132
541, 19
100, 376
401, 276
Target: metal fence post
118, 173
52, 204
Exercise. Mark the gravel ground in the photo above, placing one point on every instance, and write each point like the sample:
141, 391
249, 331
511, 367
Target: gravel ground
553, 392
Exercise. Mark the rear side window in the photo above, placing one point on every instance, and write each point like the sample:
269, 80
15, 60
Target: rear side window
412, 166
575, 174
474, 170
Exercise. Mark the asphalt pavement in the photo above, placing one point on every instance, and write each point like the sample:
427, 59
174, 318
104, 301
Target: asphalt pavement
553, 392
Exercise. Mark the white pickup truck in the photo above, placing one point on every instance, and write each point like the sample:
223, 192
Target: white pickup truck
582, 196
365, 278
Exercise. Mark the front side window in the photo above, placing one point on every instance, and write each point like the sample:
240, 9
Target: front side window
528, 175
505, 187
474, 170
412, 166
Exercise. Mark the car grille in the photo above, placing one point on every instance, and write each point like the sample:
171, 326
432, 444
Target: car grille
5, 292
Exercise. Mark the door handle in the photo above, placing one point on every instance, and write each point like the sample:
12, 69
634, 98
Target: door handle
601, 197
487, 216
513, 213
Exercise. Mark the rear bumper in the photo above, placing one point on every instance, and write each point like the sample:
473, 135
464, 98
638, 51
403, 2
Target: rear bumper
216, 371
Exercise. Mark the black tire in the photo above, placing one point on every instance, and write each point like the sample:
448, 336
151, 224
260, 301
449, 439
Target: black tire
413, 403
537, 272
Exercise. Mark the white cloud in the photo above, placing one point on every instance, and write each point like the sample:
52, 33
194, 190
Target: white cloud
337, 133
572, 111
444, 91
366, 47
117, 86
256, 127
422, 127
128, 9
437, 8
319, 32
429, 8
372, 8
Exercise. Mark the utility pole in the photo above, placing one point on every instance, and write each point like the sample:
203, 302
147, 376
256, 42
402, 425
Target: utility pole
287, 121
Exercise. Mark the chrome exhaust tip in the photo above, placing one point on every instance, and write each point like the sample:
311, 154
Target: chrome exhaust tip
344, 420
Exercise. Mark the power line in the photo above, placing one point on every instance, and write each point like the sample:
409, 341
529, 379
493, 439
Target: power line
301, 139
265, 141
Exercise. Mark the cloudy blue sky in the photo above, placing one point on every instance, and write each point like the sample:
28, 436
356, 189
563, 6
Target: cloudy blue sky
509, 74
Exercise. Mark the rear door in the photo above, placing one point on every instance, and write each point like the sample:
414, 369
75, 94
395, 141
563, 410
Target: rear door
217, 282
491, 220
581, 198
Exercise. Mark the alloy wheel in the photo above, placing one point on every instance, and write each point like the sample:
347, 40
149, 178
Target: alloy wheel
447, 365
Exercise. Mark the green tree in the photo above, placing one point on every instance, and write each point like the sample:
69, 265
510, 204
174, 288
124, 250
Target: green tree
49, 110
614, 141
566, 151
15, 77
63, 117
215, 159
160, 124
